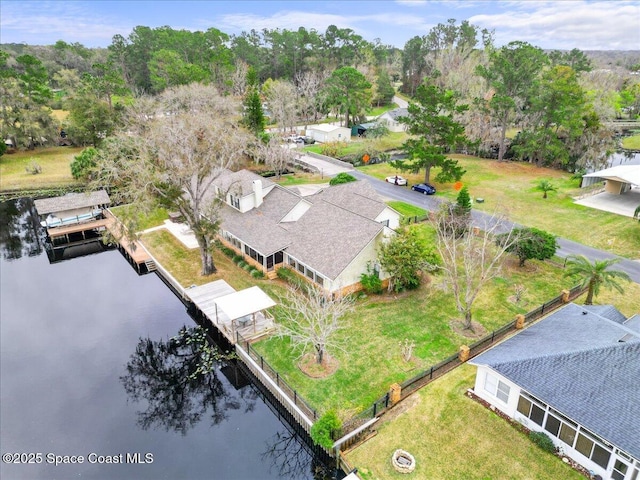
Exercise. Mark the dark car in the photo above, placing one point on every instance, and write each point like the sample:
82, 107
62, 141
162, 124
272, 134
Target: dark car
424, 188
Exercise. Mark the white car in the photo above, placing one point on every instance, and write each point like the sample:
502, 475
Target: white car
396, 180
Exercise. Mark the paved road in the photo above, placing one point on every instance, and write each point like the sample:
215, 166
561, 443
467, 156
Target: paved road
428, 202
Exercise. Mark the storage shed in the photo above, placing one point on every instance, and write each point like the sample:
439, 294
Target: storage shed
325, 132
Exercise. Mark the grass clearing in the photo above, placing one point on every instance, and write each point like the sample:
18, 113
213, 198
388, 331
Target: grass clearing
154, 218
406, 209
632, 142
55, 163
299, 178
509, 187
452, 436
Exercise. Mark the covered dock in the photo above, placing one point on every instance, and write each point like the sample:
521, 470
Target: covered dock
232, 312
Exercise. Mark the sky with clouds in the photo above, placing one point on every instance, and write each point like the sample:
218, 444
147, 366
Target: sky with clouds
587, 25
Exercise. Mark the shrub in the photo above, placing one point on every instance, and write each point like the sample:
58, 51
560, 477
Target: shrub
370, 281
341, 178
332, 149
236, 258
543, 441
82, 164
33, 168
289, 276
241, 263
322, 430
255, 273
248, 267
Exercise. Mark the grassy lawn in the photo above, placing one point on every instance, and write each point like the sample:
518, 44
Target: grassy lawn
369, 358
393, 140
632, 142
54, 162
299, 178
151, 219
406, 209
509, 187
452, 436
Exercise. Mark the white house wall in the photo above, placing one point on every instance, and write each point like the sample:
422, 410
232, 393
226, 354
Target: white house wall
390, 215
358, 266
511, 409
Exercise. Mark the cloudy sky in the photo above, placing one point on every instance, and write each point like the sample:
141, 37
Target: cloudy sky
558, 24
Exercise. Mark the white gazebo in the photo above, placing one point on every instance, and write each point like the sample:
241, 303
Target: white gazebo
231, 311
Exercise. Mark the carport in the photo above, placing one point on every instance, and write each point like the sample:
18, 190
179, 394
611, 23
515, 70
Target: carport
622, 190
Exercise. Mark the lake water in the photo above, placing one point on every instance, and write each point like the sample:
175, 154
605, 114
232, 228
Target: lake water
68, 331
624, 158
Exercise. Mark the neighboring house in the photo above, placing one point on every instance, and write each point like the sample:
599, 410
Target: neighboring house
329, 237
575, 376
325, 132
390, 119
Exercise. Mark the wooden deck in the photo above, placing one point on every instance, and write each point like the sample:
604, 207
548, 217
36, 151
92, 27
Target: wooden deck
56, 232
251, 329
132, 248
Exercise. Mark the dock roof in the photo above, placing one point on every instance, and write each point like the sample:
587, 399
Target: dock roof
71, 201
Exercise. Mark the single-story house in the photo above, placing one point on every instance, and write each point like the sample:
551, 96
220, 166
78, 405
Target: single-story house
325, 132
575, 375
329, 237
71, 208
619, 179
390, 119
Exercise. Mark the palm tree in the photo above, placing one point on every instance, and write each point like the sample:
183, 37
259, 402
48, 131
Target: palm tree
596, 274
545, 186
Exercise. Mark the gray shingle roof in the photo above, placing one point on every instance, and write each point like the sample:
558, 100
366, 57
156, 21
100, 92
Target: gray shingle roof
606, 311
327, 238
574, 361
259, 227
240, 182
357, 197
597, 388
397, 112
71, 201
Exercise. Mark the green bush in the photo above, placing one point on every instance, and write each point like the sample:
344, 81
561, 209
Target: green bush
255, 273
543, 441
248, 267
241, 263
370, 281
236, 258
289, 276
341, 178
321, 431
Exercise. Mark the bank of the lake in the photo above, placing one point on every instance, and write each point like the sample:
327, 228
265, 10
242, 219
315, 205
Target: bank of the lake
68, 331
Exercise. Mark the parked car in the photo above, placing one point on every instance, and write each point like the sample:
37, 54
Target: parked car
396, 180
424, 188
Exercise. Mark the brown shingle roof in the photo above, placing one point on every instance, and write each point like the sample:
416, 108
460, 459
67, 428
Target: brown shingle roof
357, 197
71, 201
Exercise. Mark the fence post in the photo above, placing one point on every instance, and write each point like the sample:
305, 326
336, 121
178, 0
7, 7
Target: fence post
375, 408
463, 353
277, 379
395, 390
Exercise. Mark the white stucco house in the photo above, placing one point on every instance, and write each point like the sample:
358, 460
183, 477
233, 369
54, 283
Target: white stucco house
390, 119
575, 376
329, 237
325, 132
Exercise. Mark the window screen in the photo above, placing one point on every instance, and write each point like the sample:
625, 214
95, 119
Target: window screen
553, 425
601, 456
584, 445
537, 414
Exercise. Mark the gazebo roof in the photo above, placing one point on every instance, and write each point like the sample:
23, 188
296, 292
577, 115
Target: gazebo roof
243, 303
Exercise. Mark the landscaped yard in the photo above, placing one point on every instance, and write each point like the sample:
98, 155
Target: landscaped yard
509, 187
452, 436
54, 162
369, 358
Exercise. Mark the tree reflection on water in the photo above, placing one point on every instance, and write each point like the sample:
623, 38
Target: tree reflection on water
20, 232
178, 380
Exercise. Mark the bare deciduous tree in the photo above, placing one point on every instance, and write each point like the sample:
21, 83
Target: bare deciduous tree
174, 148
312, 318
281, 98
239, 79
308, 85
274, 155
469, 261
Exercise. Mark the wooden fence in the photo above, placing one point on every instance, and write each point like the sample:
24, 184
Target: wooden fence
439, 369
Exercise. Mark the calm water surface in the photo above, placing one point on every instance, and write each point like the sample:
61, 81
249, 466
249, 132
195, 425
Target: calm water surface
68, 331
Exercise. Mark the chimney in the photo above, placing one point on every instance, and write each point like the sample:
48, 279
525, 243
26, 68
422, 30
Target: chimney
257, 191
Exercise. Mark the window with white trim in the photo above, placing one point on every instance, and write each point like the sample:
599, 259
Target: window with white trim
497, 388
